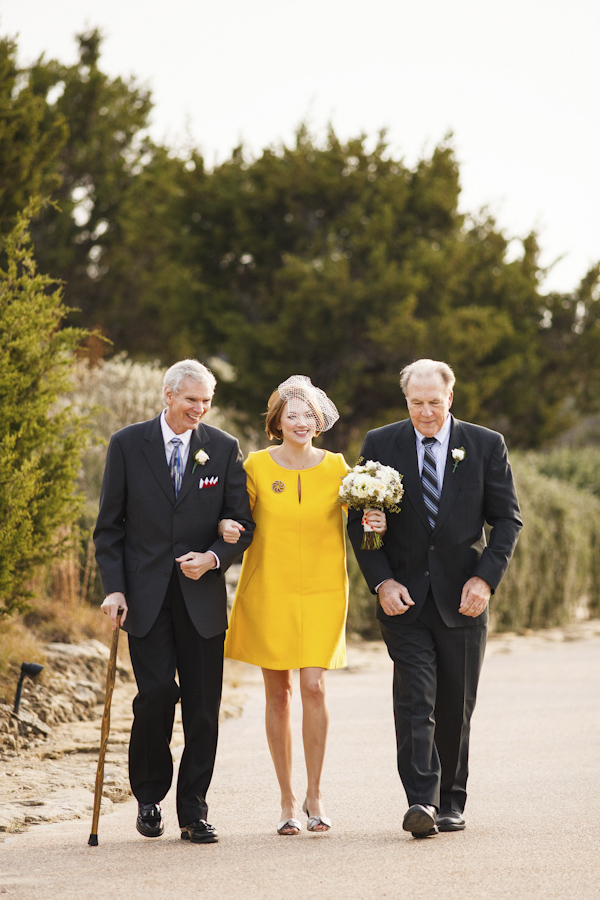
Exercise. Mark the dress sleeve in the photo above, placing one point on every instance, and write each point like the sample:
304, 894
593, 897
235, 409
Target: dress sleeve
250, 467
344, 469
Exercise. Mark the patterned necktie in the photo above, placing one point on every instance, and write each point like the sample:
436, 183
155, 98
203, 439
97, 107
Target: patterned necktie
175, 465
429, 481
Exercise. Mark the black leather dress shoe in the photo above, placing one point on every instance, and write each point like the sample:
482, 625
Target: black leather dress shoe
420, 820
149, 820
426, 834
199, 832
449, 820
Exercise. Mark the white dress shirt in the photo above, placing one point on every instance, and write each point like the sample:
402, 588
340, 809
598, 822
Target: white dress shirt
440, 452
168, 435
184, 451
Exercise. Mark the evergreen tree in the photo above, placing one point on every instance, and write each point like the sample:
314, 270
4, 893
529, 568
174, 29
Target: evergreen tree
31, 137
41, 438
106, 149
342, 263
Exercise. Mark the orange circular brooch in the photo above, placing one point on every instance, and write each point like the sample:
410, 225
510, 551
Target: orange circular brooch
278, 487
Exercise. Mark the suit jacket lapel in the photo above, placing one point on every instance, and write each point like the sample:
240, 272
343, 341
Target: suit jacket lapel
452, 479
408, 466
199, 441
154, 451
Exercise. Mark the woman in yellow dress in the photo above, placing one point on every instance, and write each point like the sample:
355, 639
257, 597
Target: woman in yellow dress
290, 607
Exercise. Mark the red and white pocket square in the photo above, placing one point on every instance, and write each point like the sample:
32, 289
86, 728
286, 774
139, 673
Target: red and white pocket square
210, 481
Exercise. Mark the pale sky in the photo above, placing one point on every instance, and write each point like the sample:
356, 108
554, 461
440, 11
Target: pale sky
517, 82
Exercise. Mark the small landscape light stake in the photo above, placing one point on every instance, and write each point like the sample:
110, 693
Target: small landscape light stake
31, 669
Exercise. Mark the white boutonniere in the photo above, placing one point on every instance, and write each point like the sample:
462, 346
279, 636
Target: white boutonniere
200, 457
458, 454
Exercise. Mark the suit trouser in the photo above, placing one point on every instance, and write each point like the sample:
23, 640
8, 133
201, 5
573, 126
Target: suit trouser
436, 672
173, 644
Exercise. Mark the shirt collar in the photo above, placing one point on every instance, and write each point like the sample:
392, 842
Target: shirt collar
168, 434
442, 433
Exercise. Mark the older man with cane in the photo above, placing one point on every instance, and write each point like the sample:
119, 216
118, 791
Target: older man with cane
167, 484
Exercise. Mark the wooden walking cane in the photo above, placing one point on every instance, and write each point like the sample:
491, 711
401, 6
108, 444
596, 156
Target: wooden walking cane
110, 686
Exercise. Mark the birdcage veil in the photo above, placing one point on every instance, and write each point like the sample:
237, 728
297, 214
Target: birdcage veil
303, 398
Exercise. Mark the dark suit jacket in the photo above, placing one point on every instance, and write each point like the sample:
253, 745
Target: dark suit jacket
480, 489
141, 528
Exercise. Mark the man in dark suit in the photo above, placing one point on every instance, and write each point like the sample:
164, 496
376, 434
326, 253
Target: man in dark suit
167, 484
433, 578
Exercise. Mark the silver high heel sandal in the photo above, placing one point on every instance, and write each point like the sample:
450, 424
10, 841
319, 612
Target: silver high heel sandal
315, 821
289, 823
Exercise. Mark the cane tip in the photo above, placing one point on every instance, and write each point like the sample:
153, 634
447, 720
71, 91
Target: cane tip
93, 841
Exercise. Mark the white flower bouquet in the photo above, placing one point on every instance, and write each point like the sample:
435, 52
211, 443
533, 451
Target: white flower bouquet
372, 486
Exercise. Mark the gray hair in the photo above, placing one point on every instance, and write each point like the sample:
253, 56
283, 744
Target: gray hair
425, 368
188, 368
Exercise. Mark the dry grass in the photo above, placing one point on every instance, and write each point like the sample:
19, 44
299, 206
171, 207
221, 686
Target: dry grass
52, 620
17, 645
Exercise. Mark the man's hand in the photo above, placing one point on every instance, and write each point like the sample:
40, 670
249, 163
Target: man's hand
194, 565
475, 597
111, 606
230, 530
394, 598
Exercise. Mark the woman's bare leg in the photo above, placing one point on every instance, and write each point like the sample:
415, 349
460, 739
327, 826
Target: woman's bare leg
315, 724
278, 693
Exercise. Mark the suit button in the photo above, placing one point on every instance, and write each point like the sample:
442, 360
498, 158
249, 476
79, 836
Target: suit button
167, 574
432, 547
426, 573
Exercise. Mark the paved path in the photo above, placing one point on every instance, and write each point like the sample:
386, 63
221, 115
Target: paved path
533, 825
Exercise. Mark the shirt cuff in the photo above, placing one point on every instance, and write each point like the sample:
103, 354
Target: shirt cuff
217, 560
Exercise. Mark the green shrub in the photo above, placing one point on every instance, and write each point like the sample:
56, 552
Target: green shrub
40, 438
579, 466
554, 576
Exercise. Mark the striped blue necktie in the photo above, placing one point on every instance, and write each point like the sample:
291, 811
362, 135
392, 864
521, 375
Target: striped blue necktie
429, 481
175, 465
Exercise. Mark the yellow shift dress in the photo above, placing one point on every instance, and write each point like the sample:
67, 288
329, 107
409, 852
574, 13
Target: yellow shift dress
290, 607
